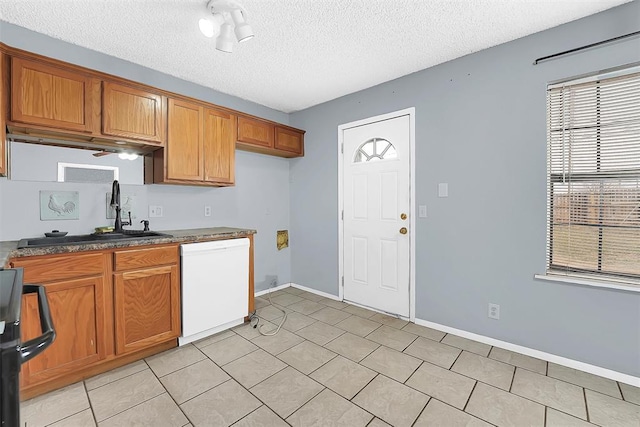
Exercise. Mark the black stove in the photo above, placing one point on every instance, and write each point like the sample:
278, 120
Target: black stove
13, 352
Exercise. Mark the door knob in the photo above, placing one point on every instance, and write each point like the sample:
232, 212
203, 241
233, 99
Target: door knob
403, 216
403, 230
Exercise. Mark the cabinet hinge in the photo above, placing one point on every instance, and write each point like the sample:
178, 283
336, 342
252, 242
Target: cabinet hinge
342, 147
343, 281
342, 216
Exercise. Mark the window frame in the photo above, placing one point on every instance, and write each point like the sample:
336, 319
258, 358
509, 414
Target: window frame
573, 274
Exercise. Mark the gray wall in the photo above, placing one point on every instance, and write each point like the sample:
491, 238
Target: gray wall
480, 126
259, 200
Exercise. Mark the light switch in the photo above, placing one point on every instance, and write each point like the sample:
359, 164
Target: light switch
443, 189
422, 211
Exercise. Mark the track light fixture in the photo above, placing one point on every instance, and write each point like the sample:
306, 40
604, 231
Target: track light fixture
223, 19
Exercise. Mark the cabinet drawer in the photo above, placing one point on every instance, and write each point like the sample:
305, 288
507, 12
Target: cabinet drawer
148, 257
52, 268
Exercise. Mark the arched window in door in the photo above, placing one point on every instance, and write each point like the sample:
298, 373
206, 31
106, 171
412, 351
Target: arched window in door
375, 149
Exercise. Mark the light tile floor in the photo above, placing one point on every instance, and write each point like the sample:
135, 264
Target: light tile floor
333, 364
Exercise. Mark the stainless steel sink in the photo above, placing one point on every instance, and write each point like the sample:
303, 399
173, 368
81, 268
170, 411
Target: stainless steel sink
90, 238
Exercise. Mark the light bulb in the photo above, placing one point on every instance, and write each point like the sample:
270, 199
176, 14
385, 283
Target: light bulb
210, 25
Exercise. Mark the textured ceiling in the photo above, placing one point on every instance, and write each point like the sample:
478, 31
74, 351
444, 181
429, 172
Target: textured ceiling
305, 51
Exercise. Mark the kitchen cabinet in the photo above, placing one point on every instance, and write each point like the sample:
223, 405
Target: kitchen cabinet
50, 96
255, 132
108, 307
289, 140
146, 297
131, 112
200, 147
219, 147
79, 300
265, 137
184, 148
4, 110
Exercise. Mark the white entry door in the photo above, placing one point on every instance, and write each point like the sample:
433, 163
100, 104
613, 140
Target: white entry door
376, 214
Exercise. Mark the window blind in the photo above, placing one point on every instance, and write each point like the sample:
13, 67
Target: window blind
593, 184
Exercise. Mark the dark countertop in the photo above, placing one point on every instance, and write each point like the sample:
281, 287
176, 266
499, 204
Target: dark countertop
8, 249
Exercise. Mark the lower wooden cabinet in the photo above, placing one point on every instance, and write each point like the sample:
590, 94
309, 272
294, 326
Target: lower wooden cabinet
79, 310
147, 307
79, 295
106, 306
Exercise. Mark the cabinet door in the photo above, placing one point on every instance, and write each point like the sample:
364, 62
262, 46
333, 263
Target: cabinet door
132, 113
289, 140
49, 96
78, 314
255, 132
4, 110
184, 143
147, 307
219, 147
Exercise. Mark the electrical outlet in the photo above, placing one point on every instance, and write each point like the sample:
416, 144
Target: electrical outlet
207, 211
494, 311
155, 211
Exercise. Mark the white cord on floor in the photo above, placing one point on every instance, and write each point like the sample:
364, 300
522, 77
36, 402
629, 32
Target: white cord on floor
255, 316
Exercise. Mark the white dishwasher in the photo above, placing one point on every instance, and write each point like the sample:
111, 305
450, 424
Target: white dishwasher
215, 287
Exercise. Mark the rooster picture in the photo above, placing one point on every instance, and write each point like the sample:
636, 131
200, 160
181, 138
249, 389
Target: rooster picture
60, 208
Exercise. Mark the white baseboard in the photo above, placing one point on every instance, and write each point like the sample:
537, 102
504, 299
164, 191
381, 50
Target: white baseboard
575, 364
276, 288
314, 291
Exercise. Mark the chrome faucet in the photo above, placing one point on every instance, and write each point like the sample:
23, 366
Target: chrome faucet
115, 204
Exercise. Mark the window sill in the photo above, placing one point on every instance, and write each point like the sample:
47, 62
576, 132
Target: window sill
578, 280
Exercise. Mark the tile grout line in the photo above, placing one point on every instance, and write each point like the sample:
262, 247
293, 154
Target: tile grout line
464, 408
586, 405
93, 414
513, 378
544, 420
171, 396
422, 410
134, 406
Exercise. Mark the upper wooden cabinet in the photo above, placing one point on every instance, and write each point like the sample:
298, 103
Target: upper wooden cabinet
265, 137
290, 140
184, 149
219, 147
132, 113
69, 105
200, 147
255, 132
50, 96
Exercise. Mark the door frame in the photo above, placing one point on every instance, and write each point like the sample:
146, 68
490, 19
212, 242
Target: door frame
411, 112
